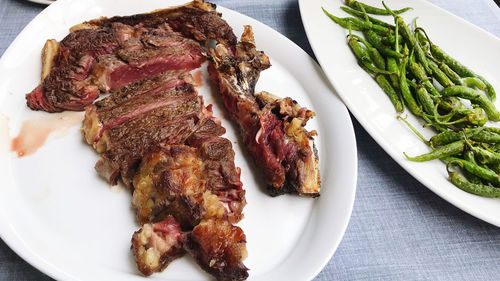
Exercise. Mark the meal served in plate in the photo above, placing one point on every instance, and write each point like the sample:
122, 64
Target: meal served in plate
154, 133
452, 99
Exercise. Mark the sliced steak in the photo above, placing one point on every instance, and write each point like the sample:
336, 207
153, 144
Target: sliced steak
156, 245
131, 121
272, 128
170, 89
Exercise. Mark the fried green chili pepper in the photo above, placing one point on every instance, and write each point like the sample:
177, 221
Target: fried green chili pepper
485, 156
439, 75
389, 39
475, 134
420, 74
410, 39
450, 136
372, 10
357, 24
375, 56
461, 69
474, 188
389, 90
360, 15
472, 82
474, 96
405, 90
492, 129
444, 151
476, 170
469, 156
473, 116
362, 55
375, 40
342, 22
425, 100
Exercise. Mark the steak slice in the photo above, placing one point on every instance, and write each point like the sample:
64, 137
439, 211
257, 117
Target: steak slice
219, 248
272, 128
68, 85
131, 121
166, 89
156, 245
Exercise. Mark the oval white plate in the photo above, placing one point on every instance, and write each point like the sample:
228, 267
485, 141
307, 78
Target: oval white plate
57, 214
372, 108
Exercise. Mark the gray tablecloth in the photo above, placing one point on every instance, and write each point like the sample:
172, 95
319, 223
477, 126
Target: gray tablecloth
399, 230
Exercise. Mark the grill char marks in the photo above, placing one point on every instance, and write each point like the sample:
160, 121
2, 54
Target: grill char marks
105, 54
272, 128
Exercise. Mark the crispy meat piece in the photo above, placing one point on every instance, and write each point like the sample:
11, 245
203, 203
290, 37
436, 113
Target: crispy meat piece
219, 248
156, 245
182, 182
272, 128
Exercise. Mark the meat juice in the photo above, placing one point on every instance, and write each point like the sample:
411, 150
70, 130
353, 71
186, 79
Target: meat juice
198, 79
34, 132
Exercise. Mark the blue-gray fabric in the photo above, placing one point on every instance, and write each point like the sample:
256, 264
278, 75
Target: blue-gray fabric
399, 230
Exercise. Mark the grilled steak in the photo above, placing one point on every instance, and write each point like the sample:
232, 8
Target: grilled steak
159, 138
107, 54
154, 133
272, 128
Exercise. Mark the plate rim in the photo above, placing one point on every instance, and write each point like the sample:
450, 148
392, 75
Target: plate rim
379, 139
15, 242
43, 2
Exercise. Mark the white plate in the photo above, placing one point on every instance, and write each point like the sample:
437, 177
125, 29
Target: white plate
473, 46
46, 2
58, 215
